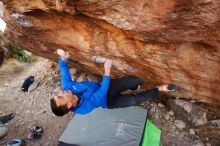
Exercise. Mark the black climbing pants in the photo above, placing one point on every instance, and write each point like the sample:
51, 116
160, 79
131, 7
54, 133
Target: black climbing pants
116, 100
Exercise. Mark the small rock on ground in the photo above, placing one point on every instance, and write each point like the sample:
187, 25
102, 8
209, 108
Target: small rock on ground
180, 124
198, 143
191, 131
216, 122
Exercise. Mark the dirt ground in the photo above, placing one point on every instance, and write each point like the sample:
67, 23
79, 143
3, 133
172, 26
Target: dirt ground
30, 108
33, 108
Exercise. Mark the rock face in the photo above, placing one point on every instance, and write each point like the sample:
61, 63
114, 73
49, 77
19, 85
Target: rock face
194, 115
175, 41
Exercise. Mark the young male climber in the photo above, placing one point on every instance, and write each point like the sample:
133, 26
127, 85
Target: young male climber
83, 97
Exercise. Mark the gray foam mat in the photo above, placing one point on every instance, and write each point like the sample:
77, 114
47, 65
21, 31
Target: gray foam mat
106, 127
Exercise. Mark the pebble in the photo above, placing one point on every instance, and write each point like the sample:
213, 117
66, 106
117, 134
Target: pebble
180, 124
172, 127
6, 84
160, 105
156, 115
153, 109
198, 143
171, 113
191, 131
216, 122
47, 143
167, 116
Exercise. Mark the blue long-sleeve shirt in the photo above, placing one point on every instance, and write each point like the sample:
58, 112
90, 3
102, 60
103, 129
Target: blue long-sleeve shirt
93, 94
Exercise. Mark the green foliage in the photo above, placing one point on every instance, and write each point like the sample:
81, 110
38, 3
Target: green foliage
17, 52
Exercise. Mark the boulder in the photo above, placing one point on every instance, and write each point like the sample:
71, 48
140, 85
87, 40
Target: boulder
159, 41
191, 113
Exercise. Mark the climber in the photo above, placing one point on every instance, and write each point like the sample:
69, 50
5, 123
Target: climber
83, 97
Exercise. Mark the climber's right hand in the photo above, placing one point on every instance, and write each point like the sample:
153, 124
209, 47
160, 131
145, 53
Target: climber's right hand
63, 54
107, 66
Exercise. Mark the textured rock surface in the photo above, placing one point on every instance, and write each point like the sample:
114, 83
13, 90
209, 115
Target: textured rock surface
175, 41
192, 114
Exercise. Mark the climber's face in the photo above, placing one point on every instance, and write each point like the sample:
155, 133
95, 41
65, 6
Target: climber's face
66, 98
